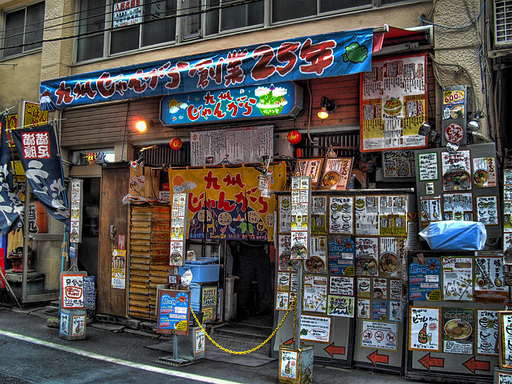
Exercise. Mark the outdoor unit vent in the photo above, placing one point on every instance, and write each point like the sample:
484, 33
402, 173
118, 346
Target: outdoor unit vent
502, 22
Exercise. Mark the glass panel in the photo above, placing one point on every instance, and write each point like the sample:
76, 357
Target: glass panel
90, 47
92, 16
14, 32
34, 30
192, 20
292, 9
124, 40
241, 16
212, 18
159, 22
333, 5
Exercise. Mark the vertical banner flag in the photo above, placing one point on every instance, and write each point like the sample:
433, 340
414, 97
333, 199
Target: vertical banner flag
37, 149
11, 207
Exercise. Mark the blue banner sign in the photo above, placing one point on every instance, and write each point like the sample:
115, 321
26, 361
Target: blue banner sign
327, 55
173, 312
238, 103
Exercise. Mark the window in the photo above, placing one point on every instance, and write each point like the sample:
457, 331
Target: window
108, 27
23, 30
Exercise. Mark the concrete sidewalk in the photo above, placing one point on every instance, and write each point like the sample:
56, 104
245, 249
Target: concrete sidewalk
143, 346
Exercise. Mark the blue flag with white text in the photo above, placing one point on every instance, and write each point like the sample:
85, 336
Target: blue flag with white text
39, 155
11, 208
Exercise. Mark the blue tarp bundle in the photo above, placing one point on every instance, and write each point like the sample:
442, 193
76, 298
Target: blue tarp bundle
455, 235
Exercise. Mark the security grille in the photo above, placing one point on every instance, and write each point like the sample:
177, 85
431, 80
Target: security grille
164, 155
502, 22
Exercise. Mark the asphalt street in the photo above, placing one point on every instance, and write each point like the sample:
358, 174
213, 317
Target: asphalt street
32, 352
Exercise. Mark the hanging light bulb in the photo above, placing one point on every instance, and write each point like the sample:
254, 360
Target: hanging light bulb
327, 105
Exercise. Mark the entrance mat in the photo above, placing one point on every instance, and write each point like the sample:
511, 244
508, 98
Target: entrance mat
250, 360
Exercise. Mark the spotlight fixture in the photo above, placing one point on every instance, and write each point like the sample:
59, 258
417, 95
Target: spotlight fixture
327, 106
473, 125
142, 125
424, 129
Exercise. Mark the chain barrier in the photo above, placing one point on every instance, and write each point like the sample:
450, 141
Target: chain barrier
293, 304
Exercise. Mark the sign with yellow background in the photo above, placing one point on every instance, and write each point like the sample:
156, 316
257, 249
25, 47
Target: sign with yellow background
226, 204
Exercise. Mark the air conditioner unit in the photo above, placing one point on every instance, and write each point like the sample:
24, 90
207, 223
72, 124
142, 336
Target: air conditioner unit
502, 22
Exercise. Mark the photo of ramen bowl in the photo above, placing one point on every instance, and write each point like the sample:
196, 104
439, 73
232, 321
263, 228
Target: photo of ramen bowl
457, 112
458, 329
299, 252
360, 203
314, 264
330, 179
480, 177
388, 262
392, 107
455, 180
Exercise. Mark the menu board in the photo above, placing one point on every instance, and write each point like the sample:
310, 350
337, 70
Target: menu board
342, 306
398, 164
487, 332
173, 311
315, 293
505, 342
393, 104
456, 170
424, 329
428, 166
484, 172
341, 257
317, 261
341, 215
489, 280
301, 198
367, 250
487, 212
458, 330
231, 146
178, 228
337, 173
381, 215
285, 214
319, 215
311, 168
457, 278
392, 251
284, 254
507, 209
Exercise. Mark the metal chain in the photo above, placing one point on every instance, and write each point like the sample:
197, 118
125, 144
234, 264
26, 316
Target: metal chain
293, 304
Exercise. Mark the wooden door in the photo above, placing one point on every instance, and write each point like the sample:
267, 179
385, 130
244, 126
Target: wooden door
113, 223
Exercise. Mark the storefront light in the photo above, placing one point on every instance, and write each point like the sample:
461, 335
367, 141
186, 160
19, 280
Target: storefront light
142, 125
327, 105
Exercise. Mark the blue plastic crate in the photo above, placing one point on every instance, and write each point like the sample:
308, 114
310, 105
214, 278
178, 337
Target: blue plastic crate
205, 273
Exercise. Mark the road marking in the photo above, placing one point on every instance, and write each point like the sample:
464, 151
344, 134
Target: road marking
149, 368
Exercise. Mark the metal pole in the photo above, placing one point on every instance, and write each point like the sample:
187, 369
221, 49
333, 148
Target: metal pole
299, 303
26, 238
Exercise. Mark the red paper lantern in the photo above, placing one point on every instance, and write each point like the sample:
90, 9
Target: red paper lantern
175, 143
294, 137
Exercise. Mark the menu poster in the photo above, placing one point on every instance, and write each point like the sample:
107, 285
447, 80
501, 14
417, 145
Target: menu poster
342, 306
299, 243
341, 215
458, 206
367, 250
315, 293
393, 215
507, 216
484, 172
294, 282
380, 288
367, 215
487, 332
504, 378
341, 257
489, 281
363, 308
284, 252
395, 289
430, 209
458, 330
487, 210
457, 278
337, 173
428, 166
282, 301
392, 252
317, 261
395, 311
379, 310
424, 329
398, 164
315, 328
310, 167
285, 214
283, 281
456, 168
393, 104
505, 332
319, 215
425, 281
341, 285
363, 286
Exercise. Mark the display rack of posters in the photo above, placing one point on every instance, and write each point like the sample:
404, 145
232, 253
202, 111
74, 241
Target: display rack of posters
393, 104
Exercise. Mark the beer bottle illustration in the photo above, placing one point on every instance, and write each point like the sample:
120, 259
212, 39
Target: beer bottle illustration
422, 335
287, 369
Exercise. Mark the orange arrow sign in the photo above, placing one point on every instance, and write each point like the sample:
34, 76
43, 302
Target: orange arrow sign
334, 350
376, 358
473, 365
288, 342
428, 361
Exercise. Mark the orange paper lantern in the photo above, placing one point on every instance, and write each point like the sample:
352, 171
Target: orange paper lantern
294, 137
175, 143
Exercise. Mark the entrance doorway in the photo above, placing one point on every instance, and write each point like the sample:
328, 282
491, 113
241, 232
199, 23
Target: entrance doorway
88, 249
